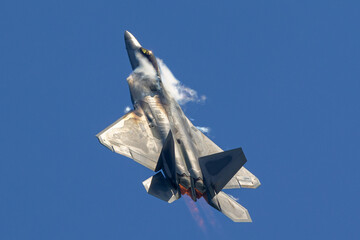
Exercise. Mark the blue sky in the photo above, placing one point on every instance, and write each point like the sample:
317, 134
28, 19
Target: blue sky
281, 80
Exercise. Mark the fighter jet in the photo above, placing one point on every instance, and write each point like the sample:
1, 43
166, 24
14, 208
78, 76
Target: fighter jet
159, 136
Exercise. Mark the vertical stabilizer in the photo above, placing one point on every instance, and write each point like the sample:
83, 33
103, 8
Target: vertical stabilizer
166, 160
219, 168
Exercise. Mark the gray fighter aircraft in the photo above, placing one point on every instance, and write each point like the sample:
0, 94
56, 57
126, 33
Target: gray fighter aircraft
158, 135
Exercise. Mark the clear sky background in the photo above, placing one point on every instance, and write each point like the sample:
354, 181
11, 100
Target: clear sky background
282, 80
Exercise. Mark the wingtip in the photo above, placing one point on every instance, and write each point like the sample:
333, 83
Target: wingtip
232, 209
256, 183
247, 219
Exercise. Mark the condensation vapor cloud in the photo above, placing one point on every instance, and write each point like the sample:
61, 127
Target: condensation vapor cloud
180, 92
205, 130
145, 67
127, 109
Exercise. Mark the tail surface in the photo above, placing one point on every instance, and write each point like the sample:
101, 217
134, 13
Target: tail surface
220, 167
230, 208
160, 186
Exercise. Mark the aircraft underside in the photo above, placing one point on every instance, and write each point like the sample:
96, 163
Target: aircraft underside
159, 136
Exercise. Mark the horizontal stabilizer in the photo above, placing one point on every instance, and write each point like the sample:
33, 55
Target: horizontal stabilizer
219, 168
229, 207
160, 187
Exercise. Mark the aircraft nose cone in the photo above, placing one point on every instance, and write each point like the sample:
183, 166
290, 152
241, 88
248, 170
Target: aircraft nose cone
131, 42
132, 46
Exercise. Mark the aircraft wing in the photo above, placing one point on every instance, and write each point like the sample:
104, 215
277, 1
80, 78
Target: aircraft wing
131, 136
203, 144
243, 178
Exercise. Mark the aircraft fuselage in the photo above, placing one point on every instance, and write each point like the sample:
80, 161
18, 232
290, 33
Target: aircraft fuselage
164, 115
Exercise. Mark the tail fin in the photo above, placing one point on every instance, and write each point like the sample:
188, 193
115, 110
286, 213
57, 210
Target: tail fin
158, 185
219, 168
166, 160
229, 207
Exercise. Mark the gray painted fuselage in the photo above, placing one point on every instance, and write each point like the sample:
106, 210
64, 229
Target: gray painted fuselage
165, 115
147, 92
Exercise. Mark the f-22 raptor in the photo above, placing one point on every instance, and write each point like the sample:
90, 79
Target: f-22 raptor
158, 135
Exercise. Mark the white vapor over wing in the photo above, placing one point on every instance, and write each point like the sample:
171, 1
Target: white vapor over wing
175, 88
203, 129
145, 67
127, 109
